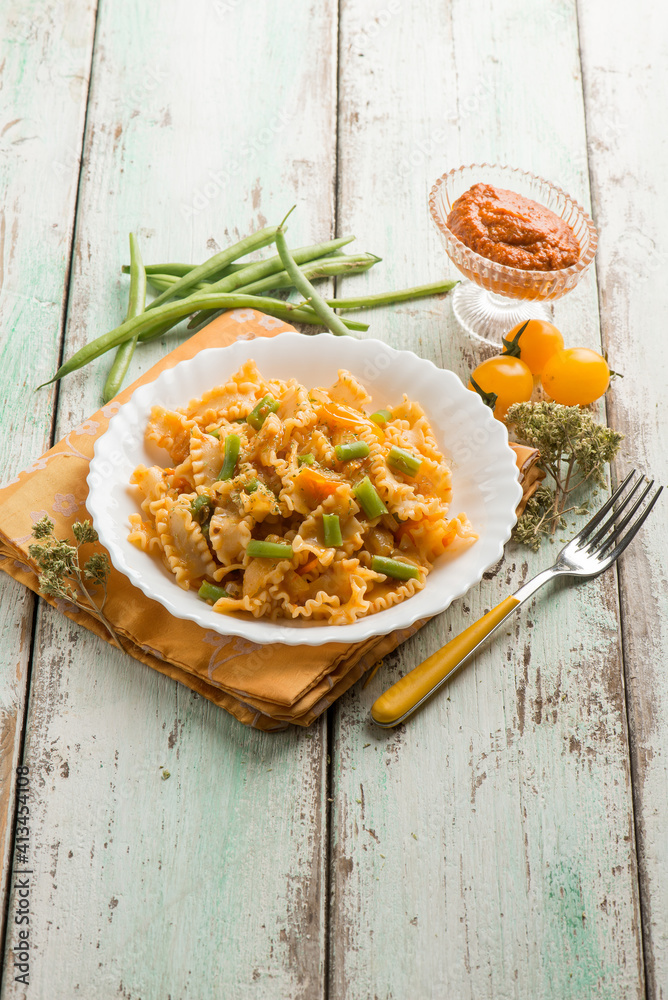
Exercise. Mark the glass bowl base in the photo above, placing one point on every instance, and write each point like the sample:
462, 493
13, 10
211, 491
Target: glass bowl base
489, 317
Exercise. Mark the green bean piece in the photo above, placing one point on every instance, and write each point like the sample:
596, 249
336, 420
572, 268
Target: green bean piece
331, 530
239, 300
351, 449
381, 417
306, 459
216, 263
230, 458
215, 433
261, 411
404, 461
303, 285
209, 592
262, 269
136, 305
268, 550
286, 311
371, 503
325, 268
201, 508
252, 486
205, 530
389, 298
178, 270
394, 568
152, 324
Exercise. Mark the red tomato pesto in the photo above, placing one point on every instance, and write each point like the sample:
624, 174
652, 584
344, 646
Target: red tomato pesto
513, 230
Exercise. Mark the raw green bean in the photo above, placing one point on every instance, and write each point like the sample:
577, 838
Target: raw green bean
154, 323
178, 270
325, 268
371, 503
136, 305
394, 568
351, 449
388, 298
381, 417
274, 307
303, 285
404, 461
331, 530
264, 268
268, 550
232, 449
261, 411
209, 592
220, 260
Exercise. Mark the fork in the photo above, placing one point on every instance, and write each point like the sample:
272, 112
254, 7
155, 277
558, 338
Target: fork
593, 550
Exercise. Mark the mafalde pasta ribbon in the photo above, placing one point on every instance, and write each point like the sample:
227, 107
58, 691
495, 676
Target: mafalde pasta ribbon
265, 686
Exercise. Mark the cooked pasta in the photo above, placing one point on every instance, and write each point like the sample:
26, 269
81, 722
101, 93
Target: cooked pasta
285, 502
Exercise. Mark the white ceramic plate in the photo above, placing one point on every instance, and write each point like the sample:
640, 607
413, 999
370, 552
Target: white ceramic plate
485, 478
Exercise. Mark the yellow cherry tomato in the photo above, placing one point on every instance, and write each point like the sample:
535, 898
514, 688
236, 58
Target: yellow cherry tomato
576, 376
509, 379
536, 343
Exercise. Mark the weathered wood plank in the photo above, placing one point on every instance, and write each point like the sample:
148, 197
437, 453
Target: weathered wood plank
626, 85
45, 51
199, 129
486, 848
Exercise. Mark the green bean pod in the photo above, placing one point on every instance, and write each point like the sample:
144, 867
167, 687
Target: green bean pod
154, 323
257, 549
136, 305
389, 298
230, 457
395, 569
265, 268
369, 498
350, 450
303, 285
331, 530
220, 260
210, 592
321, 268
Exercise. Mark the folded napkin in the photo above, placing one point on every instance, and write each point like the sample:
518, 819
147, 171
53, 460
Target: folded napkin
265, 686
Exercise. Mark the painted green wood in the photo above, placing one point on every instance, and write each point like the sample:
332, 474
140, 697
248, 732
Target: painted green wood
210, 882
486, 848
625, 84
41, 131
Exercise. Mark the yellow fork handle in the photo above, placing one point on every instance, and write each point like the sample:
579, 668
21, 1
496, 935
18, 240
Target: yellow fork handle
398, 701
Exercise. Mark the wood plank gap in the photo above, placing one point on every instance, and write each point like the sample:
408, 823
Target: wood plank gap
7, 875
73, 243
337, 150
328, 839
615, 480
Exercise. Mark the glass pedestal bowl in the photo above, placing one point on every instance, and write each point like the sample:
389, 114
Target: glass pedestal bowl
494, 298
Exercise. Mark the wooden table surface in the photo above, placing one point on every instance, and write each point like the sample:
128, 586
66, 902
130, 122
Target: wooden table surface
511, 841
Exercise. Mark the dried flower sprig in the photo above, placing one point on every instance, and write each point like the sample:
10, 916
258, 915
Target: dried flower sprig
61, 575
574, 450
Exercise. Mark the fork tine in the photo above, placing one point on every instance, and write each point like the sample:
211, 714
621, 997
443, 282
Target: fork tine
635, 527
600, 514
607, 542
610, 521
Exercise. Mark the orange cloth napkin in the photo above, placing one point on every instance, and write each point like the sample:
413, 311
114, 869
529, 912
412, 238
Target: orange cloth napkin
263, 686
